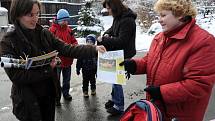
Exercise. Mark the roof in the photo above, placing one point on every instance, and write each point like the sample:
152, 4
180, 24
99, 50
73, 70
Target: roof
3, 11
5, 0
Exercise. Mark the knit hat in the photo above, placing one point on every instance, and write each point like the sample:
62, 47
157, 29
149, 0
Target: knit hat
91, 37
62, 15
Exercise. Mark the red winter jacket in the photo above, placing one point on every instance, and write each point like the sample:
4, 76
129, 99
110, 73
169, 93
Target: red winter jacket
182, 63
65, 35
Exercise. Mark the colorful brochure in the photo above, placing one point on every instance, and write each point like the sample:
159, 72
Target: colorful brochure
108, 69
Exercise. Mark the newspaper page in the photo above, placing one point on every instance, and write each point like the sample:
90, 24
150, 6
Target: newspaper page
108, 69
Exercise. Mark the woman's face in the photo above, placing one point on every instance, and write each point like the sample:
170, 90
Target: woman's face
109, 9
29, 20
168, 21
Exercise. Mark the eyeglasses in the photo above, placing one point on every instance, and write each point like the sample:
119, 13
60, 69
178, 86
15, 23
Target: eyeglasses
32, 14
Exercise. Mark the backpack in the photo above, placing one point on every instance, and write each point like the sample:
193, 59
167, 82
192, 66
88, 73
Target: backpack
142, 110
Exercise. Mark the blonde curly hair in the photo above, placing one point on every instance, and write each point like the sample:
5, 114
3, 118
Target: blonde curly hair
178, 7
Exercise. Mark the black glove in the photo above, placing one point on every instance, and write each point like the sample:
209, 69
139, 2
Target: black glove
130, 65
154, 92
77, 71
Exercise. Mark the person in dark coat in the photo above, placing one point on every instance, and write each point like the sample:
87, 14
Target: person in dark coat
121, 36
180, 63
34, 90
89, 69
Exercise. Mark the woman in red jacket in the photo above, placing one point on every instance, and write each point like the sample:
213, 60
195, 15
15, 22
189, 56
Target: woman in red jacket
61, 30
180, 64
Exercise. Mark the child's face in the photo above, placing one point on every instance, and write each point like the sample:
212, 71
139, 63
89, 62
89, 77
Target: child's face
63, 23
90, 42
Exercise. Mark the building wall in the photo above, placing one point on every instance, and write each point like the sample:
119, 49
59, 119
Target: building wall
48, 11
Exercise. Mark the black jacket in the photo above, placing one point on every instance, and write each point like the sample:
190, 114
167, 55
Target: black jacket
41, 81
86, 64
17, 44
122, 34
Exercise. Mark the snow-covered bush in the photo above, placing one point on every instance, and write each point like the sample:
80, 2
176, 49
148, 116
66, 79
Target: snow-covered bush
88, 22
155, 28
145, 13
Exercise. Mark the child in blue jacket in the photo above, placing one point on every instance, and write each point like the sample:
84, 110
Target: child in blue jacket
89, 69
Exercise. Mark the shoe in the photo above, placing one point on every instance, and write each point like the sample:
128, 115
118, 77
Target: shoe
68, 97
93, 92
109, 104
57, 103
86, 94
114, 111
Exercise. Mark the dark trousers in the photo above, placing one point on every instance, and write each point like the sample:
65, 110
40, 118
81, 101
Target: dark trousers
66, 72
47, 109
89, 76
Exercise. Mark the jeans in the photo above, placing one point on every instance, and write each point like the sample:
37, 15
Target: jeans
118, 97
66, 72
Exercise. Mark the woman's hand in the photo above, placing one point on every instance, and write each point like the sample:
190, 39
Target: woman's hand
99, 39
55, 62
101, 48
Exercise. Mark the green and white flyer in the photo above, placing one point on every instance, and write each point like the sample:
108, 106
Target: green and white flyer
108, 69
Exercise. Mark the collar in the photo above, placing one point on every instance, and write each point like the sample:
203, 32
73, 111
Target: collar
180, 32
20, 32
59, 27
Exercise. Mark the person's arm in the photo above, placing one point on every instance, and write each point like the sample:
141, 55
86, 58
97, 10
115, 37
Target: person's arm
199, 78
76, 51
73, 40
52, 30
127, 26
109, 31
78, 66
135, 65
141, 64
22, 76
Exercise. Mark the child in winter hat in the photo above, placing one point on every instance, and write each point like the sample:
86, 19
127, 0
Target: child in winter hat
62, 15
91, 39
89, 69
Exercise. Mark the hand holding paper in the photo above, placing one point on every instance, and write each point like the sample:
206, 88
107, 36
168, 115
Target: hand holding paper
101, 48
130, 65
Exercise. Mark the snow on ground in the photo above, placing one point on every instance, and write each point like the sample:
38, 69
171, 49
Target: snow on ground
143, 40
